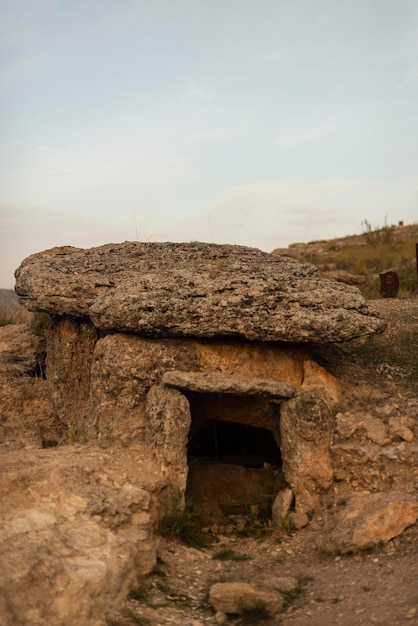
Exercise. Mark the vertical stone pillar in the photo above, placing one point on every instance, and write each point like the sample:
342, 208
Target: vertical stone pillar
70, 346
167, 427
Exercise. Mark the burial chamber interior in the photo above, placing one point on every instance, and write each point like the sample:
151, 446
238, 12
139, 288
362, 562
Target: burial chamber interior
234, 459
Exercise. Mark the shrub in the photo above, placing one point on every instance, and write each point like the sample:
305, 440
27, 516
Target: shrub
185, 526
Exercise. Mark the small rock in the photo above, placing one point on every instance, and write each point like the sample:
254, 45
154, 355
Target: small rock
298, 519
231, 598
401, 427
281, 506
220, 618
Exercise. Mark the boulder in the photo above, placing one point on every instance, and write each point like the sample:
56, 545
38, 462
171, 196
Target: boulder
234, 597
194, 290
76, 533
369, 519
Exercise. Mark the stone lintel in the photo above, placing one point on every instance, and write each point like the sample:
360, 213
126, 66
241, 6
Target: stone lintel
213, 382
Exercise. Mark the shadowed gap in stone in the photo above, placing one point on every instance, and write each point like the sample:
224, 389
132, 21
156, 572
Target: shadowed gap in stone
233, 453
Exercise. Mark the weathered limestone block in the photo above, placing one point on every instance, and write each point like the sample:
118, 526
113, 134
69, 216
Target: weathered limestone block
369, 519
306, 428
232, 598
70, 345
210, 382
124, 368
168, 421
194, 290
76, 533
277, 361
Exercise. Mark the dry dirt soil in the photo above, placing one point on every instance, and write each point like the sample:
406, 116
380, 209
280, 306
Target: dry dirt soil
374, 587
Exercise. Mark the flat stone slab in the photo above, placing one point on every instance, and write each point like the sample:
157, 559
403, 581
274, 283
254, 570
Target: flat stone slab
211, 382
194, 290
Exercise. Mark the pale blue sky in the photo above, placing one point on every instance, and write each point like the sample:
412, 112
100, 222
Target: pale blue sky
257, 122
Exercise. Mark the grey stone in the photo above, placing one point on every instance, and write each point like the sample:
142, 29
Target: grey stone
195, 289
210, 382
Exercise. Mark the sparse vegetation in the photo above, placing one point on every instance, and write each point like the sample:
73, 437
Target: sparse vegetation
185, 526
10, 316
365, 256
259, 524
229, 555
250, 616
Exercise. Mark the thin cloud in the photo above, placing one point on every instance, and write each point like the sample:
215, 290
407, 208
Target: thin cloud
210, 136
287, 138
201, 91
412, 74
18, 70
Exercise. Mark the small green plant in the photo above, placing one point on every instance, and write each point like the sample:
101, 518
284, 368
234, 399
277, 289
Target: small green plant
259, 524
229, 555
250, 616
186, 526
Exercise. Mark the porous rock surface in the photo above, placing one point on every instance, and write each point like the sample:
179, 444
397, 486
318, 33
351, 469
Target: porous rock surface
75, 533
368, 519
194, 289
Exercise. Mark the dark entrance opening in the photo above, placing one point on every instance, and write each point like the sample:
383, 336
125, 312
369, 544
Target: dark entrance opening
230, 442
235, 464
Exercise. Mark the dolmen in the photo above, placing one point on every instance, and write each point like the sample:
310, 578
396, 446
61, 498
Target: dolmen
204, 354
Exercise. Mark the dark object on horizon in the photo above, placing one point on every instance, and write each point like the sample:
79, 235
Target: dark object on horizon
416, 251
389, 285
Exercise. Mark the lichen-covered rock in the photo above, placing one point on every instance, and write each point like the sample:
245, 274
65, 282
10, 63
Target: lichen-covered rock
194, 290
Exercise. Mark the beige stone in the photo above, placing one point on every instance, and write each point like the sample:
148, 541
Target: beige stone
369, 519
212, 382
231, 598
74, 539
194, 290
281, 507
402, 427
306, 427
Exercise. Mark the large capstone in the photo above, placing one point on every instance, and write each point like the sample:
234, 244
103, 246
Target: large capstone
194, 290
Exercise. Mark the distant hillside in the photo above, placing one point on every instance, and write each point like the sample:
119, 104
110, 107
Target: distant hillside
9, 300
359, 259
